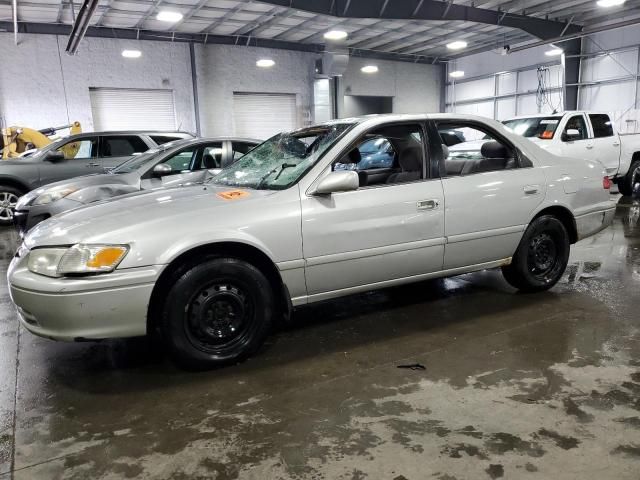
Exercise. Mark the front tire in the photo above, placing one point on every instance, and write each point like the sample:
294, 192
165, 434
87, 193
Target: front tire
8, 200
541, 257
217, 313
626, 184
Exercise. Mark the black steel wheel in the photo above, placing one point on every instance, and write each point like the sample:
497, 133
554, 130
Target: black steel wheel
627, 184
218, 312
541, 257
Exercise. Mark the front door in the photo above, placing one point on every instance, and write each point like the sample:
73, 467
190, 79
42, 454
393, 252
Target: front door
491, 191
392, 227
80, 158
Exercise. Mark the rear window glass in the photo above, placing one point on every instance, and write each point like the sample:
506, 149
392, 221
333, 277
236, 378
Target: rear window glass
601, 125
160, 139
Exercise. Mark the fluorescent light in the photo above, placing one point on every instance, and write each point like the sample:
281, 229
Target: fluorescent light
335, 35
369, 69
169, 16
457, 45
609, 3
457, 74
554, 52
265, 63
131, 53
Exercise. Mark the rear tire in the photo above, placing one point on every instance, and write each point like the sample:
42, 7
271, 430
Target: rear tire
8, 199
541, 257
626, 183
217, 313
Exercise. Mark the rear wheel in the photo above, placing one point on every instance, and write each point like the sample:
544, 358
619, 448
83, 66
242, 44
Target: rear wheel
541, 257
218, 312
8, 200
627, 183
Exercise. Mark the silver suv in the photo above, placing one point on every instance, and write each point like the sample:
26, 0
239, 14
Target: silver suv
72, 156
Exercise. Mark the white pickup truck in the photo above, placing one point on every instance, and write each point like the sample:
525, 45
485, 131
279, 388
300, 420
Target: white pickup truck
588, 135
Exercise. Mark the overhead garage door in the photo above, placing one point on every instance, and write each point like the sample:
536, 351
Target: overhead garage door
262, 115
132, 109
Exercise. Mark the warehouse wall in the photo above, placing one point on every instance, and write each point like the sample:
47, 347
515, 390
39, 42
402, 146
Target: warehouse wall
41, 86
415, 88
224, 69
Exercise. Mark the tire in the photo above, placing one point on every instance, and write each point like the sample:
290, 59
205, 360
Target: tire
8, 199
541, 257
626, 183
217, 313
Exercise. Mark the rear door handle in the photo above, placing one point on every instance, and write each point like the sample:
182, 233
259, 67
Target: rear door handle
616, 144
589, 147
427, 204
531, 189
93, 164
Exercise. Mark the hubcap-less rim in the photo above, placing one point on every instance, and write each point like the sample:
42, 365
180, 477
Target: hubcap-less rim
218, 318
8, 202
542, 257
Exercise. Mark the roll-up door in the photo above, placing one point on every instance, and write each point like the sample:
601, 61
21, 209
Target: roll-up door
132, 109
262, 115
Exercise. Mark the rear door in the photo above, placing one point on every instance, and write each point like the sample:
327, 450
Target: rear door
116, 149
80, 158
490, 190
606, 144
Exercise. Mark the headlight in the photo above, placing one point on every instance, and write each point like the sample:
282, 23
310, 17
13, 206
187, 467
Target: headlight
53, 195
77, 260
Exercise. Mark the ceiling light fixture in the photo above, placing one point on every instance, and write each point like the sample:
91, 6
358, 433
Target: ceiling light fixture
265, 63
169, 16
554, 52
131, 53
369, 69
609, 3
457, 45
335, 35
457, 74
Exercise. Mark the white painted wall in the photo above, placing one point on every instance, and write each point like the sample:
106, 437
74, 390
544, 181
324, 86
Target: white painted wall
415, 88
224, 69
41, 86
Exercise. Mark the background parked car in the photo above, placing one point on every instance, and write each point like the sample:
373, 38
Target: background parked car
92, 152
176, 163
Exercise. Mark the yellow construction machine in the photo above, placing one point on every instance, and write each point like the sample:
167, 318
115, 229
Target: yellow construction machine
17, 140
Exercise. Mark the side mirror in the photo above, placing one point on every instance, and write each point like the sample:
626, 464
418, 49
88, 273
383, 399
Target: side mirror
162, 169
571, 134
340, 181
54, 156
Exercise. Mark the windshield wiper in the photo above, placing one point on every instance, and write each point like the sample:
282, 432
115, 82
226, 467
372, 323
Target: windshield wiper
279, 169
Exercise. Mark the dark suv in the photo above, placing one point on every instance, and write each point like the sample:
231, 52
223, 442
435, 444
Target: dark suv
72, 156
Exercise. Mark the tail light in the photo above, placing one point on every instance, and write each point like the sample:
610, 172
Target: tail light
606, 183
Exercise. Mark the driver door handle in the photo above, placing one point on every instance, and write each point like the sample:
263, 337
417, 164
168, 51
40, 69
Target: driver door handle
427, 204
589, 147
531, 189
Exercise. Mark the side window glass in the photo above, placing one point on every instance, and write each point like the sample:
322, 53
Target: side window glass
240, 148
160, 139
181, 161
211, 157
124, 146
602, 126
85, 148
576, 123
387, 155
481, 151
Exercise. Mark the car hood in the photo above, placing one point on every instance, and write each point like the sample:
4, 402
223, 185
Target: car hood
120, 219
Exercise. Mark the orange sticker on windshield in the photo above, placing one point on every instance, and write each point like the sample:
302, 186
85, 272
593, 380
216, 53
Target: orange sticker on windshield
233, 194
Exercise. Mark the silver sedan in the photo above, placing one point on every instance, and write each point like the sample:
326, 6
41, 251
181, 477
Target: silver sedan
300, 219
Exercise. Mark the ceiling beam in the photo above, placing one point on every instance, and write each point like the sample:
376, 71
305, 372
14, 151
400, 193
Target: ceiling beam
428, 10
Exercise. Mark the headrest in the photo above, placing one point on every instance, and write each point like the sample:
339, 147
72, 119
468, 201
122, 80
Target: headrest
411, 159
445, 151
493, 149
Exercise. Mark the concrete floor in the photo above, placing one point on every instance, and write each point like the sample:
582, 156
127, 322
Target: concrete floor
516, 386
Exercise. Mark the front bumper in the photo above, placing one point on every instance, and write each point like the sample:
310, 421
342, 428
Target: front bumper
112, 305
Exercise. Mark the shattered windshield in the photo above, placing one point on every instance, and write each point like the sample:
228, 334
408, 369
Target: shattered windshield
282, 160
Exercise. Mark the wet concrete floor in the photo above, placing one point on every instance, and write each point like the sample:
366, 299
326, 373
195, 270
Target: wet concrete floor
543, 386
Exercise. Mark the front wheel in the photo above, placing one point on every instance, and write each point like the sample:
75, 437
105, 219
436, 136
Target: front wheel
217, 313
627, 183
8, 200
541, 257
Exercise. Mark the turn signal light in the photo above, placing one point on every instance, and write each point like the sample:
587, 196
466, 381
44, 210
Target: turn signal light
606, 183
